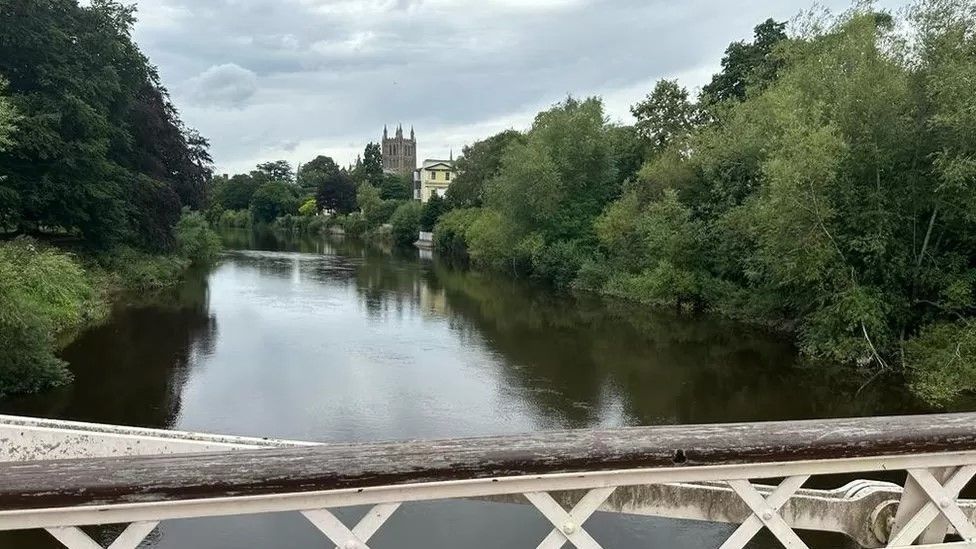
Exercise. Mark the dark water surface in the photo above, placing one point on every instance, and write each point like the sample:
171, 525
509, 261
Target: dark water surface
330, 340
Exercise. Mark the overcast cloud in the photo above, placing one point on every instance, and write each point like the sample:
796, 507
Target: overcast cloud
269, 79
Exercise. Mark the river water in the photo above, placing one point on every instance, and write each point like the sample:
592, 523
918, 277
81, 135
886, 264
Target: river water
331, 340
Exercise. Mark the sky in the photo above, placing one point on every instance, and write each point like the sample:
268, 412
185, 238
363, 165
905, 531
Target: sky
292, 79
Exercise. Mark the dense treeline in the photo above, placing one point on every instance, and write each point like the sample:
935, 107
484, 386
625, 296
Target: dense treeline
98, 177
361, 200
97, 149
824, 181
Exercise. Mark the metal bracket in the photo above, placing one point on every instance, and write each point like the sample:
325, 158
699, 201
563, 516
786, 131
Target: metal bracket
569, 525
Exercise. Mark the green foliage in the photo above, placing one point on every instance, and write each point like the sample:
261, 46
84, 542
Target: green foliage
477, 165
434, 208
309, 207
824, 183
312, 174
133, 269
748, 65
235, 193
236, 219
406, 222
335, 193
370, 170
942, 361
375, 210
396, 187
94, 120
8, 118
353, 224
273, 200
318, 225
195, 239
43, 292
550, 186
666, 118
450, 233
277, 171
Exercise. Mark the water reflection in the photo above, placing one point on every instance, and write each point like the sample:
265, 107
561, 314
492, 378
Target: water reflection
328, 339
132, 369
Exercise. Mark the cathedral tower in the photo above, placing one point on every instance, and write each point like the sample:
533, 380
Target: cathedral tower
399, 153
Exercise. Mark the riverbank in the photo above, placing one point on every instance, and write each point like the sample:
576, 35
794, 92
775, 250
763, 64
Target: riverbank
49, 293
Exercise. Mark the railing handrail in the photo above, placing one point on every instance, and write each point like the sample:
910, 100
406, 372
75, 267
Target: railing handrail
142, 479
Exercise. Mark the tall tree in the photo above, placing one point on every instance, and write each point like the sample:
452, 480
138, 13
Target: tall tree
478, 163
313, 172
747, 64
396, 186
97, 119
273, 200
666, 117
278, 171
235, 193
371, 168
335, 192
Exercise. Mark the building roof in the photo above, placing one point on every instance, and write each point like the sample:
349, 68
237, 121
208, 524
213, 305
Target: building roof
428, 162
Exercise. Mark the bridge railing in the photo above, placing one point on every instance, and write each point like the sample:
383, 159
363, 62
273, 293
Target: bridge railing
691, 471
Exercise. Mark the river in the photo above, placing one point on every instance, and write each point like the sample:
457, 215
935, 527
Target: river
332, 340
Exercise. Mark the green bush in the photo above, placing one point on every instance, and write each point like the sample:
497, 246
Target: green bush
273, 200
353, 224
450, 233
941, 361
558, 262
319, 224
406, 222
309, 207
237, 219
195, 239
43, 292
128, 268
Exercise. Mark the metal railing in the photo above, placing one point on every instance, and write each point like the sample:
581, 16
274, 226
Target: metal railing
702, 472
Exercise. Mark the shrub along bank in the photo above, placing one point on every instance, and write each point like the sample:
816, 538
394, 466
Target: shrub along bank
48, 293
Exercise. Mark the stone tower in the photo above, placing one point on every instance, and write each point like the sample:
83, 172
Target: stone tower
399, 153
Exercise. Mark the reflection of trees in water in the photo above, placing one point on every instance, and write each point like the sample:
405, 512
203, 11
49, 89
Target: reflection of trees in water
573, 356
131, 370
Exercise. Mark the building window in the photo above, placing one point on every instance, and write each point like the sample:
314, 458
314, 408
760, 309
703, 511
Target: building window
447, 176
433, 175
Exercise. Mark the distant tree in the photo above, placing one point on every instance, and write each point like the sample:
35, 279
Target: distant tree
478, 163
396, 187
665, 117
235, 193
313, 172
747, 64
628, 151
336, 192
371, 168
308, 207
406, 222
272, 200
433, 209
277, 171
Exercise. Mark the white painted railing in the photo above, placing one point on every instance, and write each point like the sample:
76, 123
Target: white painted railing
693, 472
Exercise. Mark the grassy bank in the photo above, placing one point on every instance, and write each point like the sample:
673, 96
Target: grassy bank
49, 293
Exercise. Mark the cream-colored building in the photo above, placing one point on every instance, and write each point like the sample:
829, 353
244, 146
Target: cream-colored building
433, 177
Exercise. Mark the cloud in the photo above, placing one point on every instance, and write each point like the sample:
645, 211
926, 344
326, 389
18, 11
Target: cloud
226, 85
295, 78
